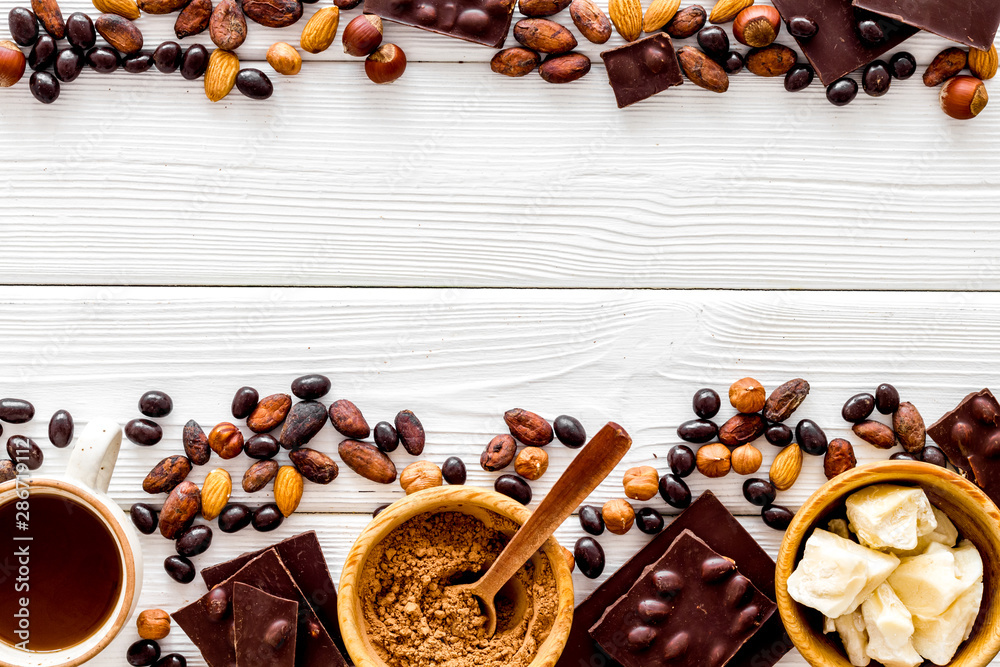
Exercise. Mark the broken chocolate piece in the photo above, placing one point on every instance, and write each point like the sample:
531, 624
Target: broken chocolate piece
692, 605
837, 48
268, 573
970, 22
712, 523
642, 69
265, 628
969, 435
484, 22
303, 556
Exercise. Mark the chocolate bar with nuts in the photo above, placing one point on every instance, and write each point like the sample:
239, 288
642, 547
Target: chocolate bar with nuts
484, 22
265, 628
643, 68
970, 22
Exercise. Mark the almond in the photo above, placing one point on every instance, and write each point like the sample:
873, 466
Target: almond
786, 467
590, 20
220, 77
983, 64
284, 59
120, 33
320, 30
544, 36
627, 17
215, 493
228, 26
126, 8
659, 13
726, 10
288, 489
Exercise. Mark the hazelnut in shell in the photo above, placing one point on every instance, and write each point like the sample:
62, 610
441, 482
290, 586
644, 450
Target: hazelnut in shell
618, 516
12, 64
757, 26
964, 97
362, 35
385, 64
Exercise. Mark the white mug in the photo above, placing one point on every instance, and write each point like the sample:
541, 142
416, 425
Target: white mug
86, 482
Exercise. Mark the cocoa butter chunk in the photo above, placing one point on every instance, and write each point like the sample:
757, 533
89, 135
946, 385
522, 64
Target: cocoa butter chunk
642, 69
265, 628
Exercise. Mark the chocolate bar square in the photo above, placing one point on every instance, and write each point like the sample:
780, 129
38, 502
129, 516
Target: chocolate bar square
969, 435
303, 556
215, 640
691, 608
837, 49
642, 68
265, 628
484, 22
971, 22
707, 518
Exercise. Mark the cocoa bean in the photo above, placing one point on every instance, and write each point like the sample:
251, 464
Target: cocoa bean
193, 19
119, 33
540, 8
742, 428
226, 440
544, 36
945, 65
773, 60
514, 62
50, 15
785, 400
909, 427
839, 458
167, 474
273, 13
196, 443
368, 461
228, 29
348, 420
565, 68
304, 421
160, 6
269, 413
702, 70
259, 474
499, 453
180, 509
529, 428
875, 434
315, 466
411, 432
590, 20
687, 22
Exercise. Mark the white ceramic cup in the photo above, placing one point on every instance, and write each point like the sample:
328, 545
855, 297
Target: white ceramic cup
86, 482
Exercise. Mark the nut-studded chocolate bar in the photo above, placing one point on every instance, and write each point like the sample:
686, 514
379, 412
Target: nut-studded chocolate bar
642, 68
484, 22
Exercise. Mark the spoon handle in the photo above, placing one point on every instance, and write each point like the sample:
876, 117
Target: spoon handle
582, 476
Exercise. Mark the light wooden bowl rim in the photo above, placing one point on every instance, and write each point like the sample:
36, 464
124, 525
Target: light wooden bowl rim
445, 498
984, 644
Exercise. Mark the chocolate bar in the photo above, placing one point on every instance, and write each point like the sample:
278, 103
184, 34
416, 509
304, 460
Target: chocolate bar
303, 556
642, 69
837, 49
265, 628
969, 435
970, 22
707, 518
484, 22
214, 639
691, 608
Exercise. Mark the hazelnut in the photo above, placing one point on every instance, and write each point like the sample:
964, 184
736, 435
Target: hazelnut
714, 460
153, 624
531, 463
757, 26
618, 516
283, 57
964, 97
419, 476
12, 63
362, 35
747, 396
226, 440
386, 64
746, 460
641, 483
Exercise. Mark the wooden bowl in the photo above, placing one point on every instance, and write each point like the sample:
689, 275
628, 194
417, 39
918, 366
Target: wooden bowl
974, 515
468, 500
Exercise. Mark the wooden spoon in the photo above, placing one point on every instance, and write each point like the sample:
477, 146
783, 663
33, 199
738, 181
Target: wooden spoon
584, 474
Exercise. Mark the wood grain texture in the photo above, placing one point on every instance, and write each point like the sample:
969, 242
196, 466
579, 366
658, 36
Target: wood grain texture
138, 179
459, 359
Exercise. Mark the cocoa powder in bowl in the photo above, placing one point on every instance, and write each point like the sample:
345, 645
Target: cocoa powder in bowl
412, 621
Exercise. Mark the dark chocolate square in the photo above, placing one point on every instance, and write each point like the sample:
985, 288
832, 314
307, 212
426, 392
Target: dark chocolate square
303, 556
969, 435
265, 628
711, 522
970, 22
836, 49
691, 608
215, 640
484, 22
641, 69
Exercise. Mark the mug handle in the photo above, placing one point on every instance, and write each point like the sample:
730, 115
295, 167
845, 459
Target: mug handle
95, 454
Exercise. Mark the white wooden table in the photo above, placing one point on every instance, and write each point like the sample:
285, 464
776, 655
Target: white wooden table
149, 239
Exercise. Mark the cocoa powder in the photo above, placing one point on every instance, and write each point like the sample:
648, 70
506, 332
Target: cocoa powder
414, 620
